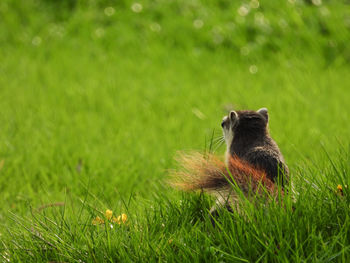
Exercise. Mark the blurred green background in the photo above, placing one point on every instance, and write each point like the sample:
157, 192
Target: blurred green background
96, 98
103, 93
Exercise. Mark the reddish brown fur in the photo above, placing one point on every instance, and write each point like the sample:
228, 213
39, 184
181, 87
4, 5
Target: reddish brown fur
209, 173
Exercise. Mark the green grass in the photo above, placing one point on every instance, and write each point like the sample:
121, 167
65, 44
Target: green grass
93, 109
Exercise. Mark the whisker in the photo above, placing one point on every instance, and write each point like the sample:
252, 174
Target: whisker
218, 146
218, 142
215, 141
221, 137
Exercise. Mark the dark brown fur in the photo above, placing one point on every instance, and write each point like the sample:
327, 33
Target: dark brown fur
253, 144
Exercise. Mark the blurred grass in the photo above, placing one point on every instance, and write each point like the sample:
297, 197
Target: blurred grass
250, 30
97, 96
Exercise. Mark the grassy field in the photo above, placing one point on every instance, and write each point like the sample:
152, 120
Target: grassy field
96, 98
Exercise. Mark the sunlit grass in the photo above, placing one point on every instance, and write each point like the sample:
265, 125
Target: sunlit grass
95, 100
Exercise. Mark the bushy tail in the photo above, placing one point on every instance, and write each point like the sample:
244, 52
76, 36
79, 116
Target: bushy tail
208, 173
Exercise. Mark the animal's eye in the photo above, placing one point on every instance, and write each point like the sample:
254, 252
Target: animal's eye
222, 124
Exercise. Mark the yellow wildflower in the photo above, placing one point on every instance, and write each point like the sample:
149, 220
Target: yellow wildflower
98, 221
340, 190
109, 214
116, 220
124, 218
120, 219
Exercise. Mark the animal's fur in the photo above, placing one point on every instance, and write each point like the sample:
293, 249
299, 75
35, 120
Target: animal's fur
253, 162
210, 174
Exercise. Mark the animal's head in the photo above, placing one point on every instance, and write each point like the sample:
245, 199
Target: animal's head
253, 123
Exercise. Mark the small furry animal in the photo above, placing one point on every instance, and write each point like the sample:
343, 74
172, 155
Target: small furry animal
253, 159
247, 137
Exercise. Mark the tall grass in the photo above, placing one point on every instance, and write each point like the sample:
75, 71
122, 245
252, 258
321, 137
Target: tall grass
96, 97
315, 227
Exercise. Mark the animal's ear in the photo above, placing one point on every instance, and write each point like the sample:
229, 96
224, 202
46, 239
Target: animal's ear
233, 116
263, 112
